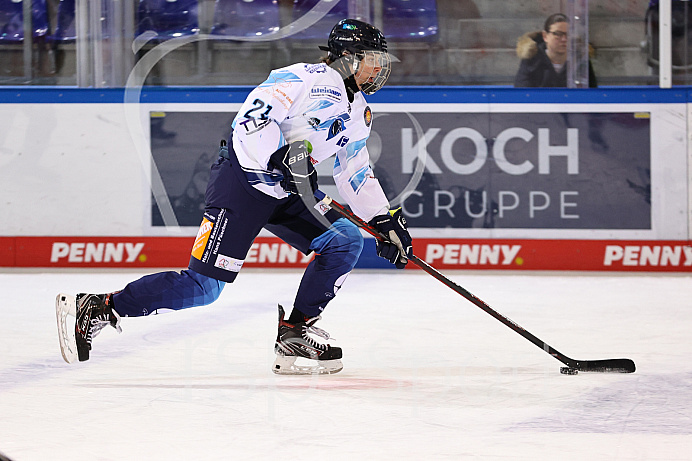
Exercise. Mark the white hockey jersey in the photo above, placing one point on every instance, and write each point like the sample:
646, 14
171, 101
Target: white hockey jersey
309, 102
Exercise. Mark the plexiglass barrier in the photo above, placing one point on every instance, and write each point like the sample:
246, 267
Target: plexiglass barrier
103, 43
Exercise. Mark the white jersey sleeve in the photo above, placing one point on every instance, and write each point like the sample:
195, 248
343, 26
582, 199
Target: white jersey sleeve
356, 182
257, 127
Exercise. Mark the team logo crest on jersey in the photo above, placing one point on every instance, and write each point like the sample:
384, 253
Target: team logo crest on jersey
337, 126
367, 115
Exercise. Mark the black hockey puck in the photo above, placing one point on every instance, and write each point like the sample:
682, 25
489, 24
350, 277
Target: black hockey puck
568, 371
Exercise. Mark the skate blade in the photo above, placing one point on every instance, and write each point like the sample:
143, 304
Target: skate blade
286, 366
66, 316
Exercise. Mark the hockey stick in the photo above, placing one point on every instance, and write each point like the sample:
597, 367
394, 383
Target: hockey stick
573, 366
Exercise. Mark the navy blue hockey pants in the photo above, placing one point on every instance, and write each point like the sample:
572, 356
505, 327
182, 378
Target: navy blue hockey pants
225, 237
337, 251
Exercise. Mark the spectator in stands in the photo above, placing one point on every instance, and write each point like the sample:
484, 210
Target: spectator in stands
543, 56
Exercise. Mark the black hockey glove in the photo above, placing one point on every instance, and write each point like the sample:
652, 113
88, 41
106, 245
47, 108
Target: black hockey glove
294, 163
397, 248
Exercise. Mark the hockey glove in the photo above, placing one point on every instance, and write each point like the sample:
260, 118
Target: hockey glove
294, 163
397, 248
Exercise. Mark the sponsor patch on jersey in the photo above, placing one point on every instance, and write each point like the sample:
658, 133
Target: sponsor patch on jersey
325, 91
253, 125
322, 208
229, 264
202, 238
367, 115
314, 122
316, 68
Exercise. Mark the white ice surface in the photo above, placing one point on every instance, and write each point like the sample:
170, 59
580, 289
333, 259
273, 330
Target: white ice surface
427, 375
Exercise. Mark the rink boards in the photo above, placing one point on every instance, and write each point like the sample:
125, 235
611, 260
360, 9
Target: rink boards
488, 178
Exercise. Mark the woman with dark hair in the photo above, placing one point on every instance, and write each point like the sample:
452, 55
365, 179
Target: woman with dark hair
544, 56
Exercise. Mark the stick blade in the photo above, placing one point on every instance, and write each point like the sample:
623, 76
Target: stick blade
607, 366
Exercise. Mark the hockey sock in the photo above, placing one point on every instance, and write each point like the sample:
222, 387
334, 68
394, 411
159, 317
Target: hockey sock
296, 317
170, 290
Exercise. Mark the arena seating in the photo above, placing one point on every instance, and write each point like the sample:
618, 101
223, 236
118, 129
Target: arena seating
168, 18
244, 18
12, 20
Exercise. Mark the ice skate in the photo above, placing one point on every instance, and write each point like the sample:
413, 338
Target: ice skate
90, 314
294, 342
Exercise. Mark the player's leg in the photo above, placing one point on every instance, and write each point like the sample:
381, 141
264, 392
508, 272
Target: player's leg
150, 294
234, 216
165, 291
336, 253
337, 249
224, 239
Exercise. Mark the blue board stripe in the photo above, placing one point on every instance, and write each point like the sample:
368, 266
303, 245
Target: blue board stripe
406, 95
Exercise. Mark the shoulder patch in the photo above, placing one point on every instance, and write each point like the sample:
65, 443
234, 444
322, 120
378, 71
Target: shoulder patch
367, 116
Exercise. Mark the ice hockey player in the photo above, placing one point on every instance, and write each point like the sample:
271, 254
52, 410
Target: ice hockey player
265, 178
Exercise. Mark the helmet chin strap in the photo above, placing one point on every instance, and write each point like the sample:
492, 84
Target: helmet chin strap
351, 87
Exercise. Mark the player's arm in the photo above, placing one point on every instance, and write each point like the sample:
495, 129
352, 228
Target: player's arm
356, 182
362, 191
256, 128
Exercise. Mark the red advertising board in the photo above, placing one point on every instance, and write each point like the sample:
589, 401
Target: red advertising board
581, 255
495, 254
130, 252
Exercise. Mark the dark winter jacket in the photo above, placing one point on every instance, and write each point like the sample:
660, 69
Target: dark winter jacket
536, 69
